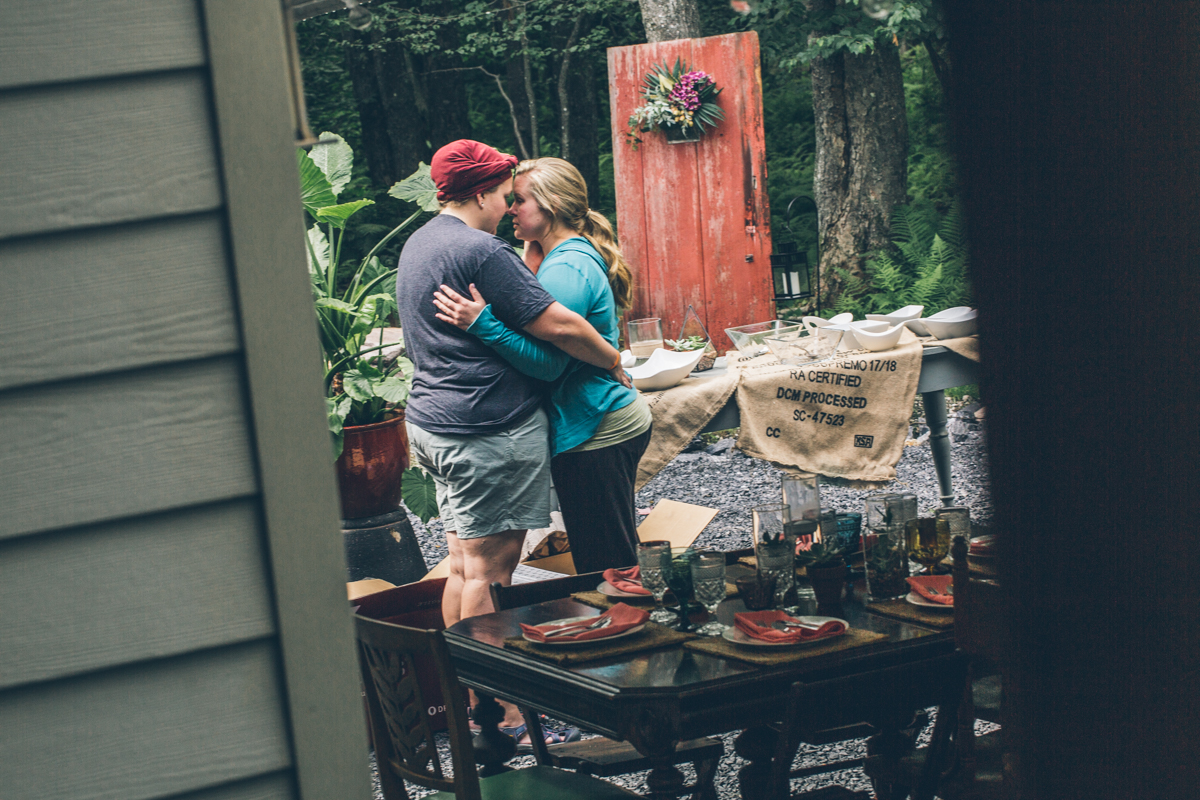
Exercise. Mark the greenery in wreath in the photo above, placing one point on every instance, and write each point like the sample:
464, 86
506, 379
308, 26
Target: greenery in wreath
678, 98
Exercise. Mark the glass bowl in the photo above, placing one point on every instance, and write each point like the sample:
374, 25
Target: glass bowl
748, 339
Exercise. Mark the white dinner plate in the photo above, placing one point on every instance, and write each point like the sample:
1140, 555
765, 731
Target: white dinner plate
557, 642
608, 589
915, 599
732, 634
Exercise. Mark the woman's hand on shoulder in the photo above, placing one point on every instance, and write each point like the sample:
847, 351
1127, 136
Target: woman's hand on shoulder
533, 255
459, 311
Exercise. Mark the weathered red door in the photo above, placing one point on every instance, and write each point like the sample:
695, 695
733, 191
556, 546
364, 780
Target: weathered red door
692, 218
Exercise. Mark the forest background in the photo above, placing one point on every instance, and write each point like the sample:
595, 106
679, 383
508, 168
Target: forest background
530, 78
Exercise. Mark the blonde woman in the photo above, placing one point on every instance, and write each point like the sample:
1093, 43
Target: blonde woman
600, 428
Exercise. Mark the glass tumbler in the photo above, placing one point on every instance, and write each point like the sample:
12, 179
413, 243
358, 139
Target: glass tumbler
708, 587
776, 559
645, 336
654, 559
959, 520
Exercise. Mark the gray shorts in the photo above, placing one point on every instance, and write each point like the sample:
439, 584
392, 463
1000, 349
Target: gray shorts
489, 483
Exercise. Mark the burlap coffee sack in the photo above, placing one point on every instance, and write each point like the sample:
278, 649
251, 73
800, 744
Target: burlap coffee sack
846, 417
679, 414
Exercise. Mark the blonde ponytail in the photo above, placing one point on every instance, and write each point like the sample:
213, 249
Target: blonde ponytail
558, 189
599, 232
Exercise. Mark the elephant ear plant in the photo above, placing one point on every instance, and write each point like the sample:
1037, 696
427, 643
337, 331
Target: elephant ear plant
361, 385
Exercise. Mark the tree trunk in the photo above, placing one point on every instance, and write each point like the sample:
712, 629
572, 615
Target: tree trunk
584, 134
376, 142
445, 90
398, 90
514, 80
862, 149
670, 19
564, 94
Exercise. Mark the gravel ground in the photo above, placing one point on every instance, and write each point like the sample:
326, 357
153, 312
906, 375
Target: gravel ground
719, 476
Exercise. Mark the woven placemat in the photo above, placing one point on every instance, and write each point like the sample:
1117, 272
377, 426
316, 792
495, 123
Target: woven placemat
769, 656
604, 602
652, 637
901, 609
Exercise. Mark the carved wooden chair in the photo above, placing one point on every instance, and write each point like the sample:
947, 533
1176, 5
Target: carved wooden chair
981, 767
884, 702
600, 756
404, 745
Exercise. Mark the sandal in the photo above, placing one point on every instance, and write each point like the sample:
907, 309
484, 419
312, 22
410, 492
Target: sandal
553, 736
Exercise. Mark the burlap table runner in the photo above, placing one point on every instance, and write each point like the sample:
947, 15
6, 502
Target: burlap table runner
966, 346
845, 418
899, 609
679, 413
652, 637
770, 656
604, 602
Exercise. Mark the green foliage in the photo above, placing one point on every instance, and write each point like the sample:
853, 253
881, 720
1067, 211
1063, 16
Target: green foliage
675, 97
821, 555
928, 267
419, 493
361, 387
690, 343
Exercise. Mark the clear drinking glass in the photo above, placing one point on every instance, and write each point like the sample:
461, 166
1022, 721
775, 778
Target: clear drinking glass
645, 336
885, 545
708, 587
778, 560
802, 494
928, 541
770, 520
654, 559
959, 519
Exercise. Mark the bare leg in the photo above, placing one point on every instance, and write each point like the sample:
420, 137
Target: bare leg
477, 563
452, 594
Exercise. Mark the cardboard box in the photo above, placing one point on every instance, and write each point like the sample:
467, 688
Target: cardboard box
416, 605
678, 523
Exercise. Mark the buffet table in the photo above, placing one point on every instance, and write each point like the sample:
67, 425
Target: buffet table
941, 369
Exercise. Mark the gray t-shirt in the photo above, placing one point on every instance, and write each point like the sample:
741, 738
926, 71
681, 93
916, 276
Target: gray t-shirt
462, 386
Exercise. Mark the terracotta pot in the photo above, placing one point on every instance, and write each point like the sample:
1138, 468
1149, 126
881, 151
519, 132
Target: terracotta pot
373, 459
827, 583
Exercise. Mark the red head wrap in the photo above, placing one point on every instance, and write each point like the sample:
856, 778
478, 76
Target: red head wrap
466, 168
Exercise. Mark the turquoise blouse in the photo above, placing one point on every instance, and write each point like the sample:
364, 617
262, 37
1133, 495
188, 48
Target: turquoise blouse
576, 275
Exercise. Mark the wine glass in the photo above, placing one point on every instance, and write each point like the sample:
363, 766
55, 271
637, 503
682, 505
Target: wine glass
654, 559
708, 587
928, 541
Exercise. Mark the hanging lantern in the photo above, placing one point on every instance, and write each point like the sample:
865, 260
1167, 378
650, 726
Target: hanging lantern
789, 270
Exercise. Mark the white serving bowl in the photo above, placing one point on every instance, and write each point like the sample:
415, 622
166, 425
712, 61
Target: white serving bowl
664, 368
960, 323
899, 315
820, 322
748, 339
850, 341
879, 340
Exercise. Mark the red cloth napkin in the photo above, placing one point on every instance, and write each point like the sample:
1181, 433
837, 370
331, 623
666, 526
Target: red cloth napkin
748, 623
982, 545
627, 580
623, 618
941, 583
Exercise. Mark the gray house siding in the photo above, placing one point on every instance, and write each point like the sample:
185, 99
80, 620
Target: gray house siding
173, 619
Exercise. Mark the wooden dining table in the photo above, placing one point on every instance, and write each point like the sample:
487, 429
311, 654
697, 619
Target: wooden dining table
654, 699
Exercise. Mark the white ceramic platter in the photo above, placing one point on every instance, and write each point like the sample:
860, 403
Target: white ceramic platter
557, 643
737, 637
608, 589
915, 599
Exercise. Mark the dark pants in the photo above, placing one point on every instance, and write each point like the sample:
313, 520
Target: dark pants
595, 490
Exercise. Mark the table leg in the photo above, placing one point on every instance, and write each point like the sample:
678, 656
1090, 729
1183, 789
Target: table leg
492, 748
939, 441
757, 746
